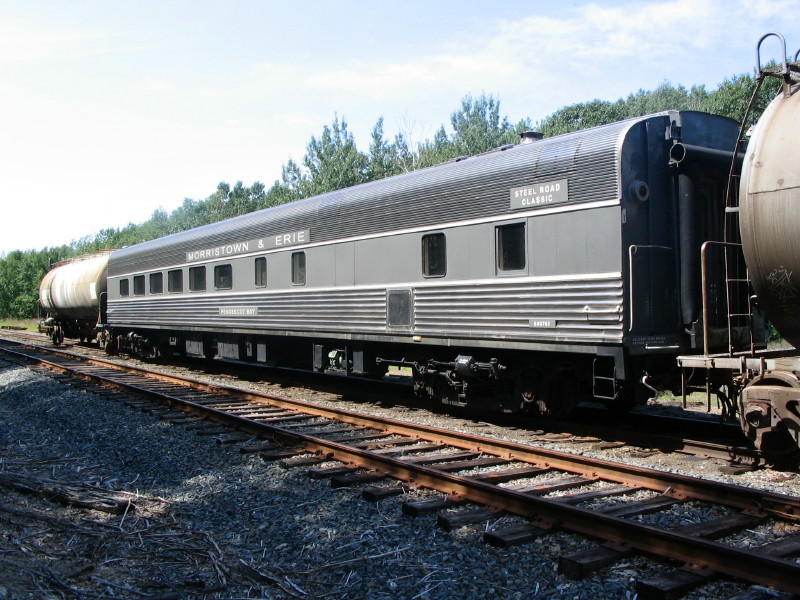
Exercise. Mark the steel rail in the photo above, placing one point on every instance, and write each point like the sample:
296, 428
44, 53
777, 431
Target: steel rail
779, 505
546, 513
730, 453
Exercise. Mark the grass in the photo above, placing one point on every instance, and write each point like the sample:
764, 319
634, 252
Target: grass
29, 324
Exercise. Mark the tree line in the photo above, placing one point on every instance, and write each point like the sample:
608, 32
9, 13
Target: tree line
333, 161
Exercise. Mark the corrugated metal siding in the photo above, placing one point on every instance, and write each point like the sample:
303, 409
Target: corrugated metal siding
584, 311
356, 310
473, 188
588, 310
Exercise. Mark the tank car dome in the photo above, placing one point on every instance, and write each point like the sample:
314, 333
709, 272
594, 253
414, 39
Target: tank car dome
769, 212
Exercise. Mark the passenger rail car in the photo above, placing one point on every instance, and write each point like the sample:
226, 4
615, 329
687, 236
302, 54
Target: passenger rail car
523, 278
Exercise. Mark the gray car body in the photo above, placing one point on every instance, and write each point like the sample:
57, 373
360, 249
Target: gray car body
600, 267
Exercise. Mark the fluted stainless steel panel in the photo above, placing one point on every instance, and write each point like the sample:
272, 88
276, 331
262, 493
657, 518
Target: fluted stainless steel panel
331, 311
588, 310
585, 310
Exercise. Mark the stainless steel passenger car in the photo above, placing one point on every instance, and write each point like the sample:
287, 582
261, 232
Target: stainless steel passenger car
521, 278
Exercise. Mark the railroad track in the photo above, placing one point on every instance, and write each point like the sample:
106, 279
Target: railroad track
479, 478
695, 437
656, 433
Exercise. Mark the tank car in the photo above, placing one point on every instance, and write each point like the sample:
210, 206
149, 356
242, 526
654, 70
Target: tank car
763, 387
73, 294
521, 279
769, 220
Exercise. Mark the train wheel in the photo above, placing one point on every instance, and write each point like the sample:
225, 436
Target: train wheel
528, 390
58, 336
562, 394
112, 345
769, 413
553, 396
376, 372
162, 352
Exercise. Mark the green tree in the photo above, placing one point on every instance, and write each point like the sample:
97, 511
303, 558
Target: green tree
438, 150
403, 154
333, 161
20, 274
581, 116
187, 216
294, 183
477, 127
733, 95
384, 157
665, 97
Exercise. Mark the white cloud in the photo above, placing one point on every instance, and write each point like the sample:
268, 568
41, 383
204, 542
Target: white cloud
583, 48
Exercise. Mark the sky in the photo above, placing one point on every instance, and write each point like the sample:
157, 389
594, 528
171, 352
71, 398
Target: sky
110, 110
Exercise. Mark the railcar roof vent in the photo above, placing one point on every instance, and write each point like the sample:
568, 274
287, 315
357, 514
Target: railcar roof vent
528, 137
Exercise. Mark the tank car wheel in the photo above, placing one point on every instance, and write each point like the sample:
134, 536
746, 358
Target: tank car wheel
58, 336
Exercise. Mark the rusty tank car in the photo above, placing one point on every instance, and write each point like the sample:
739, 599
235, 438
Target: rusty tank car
763, 386
769, 212
73, 294
769, 222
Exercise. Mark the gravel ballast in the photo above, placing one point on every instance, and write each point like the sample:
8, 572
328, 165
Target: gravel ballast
211, 522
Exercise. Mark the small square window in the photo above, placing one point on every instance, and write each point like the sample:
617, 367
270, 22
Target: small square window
197, 279
434, 255
261, 271
124, 287
156, 283
175, 281
511, 247
223, 277
138, 285
299, 268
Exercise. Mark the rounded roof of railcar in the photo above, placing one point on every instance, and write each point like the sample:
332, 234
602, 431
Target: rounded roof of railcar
464, 189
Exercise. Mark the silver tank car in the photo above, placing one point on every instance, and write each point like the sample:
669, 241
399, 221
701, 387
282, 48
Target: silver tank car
73, 293
769, 212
